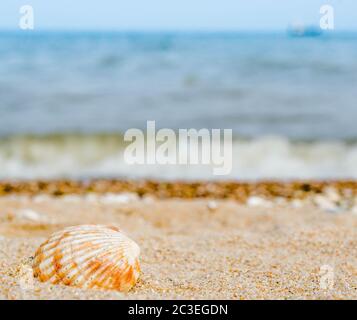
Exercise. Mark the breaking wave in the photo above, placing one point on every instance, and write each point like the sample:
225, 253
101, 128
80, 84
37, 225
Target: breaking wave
101, 155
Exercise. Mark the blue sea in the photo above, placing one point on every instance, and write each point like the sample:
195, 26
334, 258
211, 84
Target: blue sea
66, 100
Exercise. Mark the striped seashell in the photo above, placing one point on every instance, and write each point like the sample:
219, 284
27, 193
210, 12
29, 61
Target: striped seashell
89, 256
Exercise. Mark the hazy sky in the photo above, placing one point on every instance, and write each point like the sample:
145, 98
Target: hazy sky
176, 14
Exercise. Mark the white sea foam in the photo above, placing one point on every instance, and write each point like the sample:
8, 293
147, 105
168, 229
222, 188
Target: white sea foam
98, 156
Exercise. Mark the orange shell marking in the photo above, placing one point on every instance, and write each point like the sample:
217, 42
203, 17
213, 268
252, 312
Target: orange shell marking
89, 256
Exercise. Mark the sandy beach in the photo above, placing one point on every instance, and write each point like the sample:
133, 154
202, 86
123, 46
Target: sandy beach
195, 248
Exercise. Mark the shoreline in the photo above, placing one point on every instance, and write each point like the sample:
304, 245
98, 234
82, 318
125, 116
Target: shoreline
162, 189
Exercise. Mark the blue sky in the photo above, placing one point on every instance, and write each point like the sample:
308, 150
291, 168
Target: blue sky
210, 15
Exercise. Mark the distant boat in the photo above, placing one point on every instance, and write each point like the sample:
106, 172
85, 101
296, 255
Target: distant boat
304, 31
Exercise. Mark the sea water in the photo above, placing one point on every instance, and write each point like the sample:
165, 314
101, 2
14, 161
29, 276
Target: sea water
66, 100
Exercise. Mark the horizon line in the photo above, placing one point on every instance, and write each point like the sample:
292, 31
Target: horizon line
168, 30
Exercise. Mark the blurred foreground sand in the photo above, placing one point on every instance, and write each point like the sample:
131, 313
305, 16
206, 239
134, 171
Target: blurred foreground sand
192, 248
